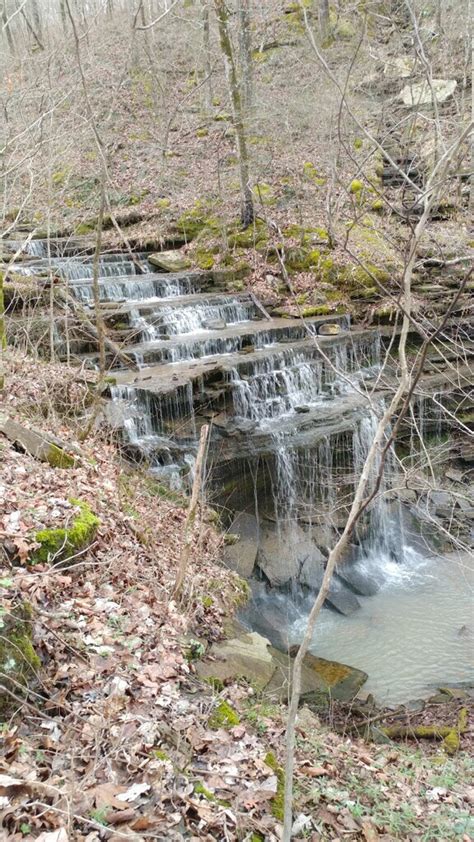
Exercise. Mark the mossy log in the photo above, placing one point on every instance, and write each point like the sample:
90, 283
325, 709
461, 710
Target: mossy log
449, 734
36, 444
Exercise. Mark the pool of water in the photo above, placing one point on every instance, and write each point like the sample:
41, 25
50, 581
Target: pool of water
414, 635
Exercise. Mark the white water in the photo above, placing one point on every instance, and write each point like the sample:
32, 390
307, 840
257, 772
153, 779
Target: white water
173, 320
415, 635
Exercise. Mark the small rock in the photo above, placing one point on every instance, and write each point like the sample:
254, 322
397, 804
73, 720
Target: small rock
302, 408
169, 261
215, 324
422, 93
329, 329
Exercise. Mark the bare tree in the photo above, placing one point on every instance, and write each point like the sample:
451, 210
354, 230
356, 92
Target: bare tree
246, 197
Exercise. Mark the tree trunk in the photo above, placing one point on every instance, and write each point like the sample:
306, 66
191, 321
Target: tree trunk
37, 18
3, 339
206, 42
99, 320
62, 9
6, 27
247, 208
324, 19
245, 50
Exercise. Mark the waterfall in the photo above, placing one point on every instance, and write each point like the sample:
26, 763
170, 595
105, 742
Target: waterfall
191, 317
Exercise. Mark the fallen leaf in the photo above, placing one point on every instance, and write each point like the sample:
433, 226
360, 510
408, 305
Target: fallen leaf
54, 836
120, 816
106, 795
7, 780
369, 831
134, 792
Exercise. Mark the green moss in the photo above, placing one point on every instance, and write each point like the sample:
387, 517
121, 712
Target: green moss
163, 203
18, 659
196, 220
207, 601
61, 544
85, 228
160, 755
204, 259
216, 683
200, 789
58, 458
224, 716
377, 205
202, 132
255, 234
321, 310
356, 186
279, 798
243, 591
358, 143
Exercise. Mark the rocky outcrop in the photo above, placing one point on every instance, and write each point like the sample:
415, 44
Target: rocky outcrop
251, 656
240, 554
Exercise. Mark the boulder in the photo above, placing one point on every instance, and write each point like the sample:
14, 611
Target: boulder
318, 677
250, 656
339, 597
241, 556
247, 656
422, 93
358, 580
270, 621
282, 553
329, 329
170, 261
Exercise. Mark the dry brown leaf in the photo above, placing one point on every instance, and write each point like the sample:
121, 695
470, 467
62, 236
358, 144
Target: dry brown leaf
120, 816
369, 831
105, 795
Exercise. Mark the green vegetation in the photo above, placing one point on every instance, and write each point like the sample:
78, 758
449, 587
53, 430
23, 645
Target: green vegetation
61, 544
18, 659
278, 799
223, 716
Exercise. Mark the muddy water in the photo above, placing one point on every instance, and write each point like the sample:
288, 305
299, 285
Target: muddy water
415, 635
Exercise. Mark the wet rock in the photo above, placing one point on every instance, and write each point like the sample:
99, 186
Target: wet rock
215, 324
302, 408
276, 558
318, 677
329, 329
422, 93
269, 620
169, 261
358, 580
312, 571
342, 599
247, 656
242, 555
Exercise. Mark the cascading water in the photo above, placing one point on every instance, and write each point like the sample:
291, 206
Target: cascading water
173, 320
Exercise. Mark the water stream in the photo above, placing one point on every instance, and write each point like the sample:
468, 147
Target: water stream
305, 423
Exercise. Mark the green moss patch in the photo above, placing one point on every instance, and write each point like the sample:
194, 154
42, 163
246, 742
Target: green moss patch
18, 659
279, 799
224, 716
61, 544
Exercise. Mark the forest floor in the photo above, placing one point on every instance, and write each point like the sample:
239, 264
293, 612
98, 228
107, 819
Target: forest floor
118, 738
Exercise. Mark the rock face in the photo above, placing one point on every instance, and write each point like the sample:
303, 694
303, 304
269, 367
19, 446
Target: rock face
282, 556
423, 94
252, 657
215, 324
241, 555
169, 261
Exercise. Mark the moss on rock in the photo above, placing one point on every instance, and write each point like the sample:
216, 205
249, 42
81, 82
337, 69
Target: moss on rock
18, 659
64, 543
224, 716
279, 799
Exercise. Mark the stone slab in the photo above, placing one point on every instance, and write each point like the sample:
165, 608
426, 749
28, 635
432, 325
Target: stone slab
242, 555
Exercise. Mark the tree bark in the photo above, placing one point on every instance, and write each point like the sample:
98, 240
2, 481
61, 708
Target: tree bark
206, 42
324, 19
6, 27
245, 50
192, 511
247, 207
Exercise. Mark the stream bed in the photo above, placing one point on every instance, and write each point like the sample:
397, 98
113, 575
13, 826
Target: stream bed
415, 635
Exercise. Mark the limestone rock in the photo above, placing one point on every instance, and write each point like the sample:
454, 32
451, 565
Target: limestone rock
247, 656
242, 555
169, 261
422, 93
362, 583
